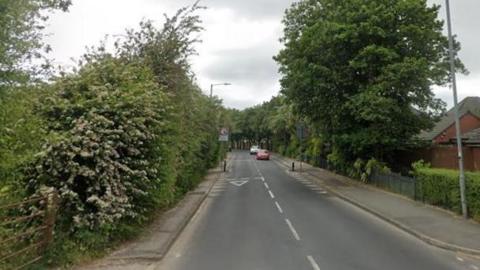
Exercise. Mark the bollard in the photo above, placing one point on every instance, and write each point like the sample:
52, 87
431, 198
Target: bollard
224, 165
293, 166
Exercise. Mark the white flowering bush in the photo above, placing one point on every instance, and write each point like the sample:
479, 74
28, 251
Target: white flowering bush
109, 119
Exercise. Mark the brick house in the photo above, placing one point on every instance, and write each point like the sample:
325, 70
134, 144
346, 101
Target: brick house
443, 150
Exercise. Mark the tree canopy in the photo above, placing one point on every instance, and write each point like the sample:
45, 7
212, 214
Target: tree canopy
361, 70
21, 24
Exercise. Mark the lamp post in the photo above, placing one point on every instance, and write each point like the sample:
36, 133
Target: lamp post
457, 120
215, 84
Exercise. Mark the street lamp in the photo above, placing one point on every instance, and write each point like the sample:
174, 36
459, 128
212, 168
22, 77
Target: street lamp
215, 84
457, 120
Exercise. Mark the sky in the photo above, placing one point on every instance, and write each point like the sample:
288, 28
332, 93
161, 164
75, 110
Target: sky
238, 43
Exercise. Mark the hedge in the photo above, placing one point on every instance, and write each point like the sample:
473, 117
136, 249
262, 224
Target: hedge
440, 187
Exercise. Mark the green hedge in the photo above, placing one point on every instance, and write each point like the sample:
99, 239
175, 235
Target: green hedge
440, 187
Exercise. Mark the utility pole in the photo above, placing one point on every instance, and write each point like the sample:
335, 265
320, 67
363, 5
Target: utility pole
457, 117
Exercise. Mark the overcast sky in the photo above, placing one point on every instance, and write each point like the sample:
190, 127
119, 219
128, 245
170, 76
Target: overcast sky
239, 40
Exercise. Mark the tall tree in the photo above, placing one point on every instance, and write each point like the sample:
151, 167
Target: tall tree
21, 24
362, 70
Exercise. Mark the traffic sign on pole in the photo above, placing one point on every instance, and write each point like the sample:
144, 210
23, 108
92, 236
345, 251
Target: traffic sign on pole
223, 136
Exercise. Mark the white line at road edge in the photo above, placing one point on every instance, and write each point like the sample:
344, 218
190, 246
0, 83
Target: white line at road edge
271, 194
313, 263
266, 185
294, 232
279, 208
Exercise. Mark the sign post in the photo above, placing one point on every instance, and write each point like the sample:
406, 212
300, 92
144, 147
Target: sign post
223, 137
301, 135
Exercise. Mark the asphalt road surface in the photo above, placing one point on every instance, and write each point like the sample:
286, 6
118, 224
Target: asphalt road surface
262, 217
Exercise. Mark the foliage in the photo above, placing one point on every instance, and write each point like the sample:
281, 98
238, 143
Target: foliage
21, 137
269, 125
109, 118
21, 37
363, 170
440, 187
420, 164
362, 72
129, 132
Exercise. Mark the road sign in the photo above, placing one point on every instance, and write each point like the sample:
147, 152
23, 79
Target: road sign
301, 131
223, 137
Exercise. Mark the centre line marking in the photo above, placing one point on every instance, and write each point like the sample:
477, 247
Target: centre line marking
294, 232
279, 208
460, 259
313, 263
271, 194
266, 185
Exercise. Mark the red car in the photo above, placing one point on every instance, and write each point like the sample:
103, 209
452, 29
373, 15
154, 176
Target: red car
263, 155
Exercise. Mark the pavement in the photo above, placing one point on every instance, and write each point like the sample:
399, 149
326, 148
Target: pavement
433, 225
154, 242
262, 216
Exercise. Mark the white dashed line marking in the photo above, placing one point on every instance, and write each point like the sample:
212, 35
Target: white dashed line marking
313, 263
266, 185
271, 194
459, 259
279, 208
474, 267
294, 232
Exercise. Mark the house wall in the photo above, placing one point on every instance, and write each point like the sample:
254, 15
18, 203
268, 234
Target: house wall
476, 158
447, 157
442, 156
468, 122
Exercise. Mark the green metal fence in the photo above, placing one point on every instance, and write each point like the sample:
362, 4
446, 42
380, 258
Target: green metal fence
395, 182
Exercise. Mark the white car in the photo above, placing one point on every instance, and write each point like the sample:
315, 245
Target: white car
254, 149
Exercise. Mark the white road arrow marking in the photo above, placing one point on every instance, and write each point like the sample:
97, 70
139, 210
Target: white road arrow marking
238, 183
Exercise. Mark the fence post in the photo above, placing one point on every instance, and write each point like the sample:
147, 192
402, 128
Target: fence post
49, 219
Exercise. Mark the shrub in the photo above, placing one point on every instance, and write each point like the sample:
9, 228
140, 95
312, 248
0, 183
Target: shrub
440, 187
108, 156
363, 170
124, 135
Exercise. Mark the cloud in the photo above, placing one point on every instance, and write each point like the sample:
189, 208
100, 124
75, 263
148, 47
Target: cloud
465, 22
239, 40
251, 9
254, 9
252, 64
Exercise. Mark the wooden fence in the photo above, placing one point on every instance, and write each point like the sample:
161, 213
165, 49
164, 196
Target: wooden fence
26, 230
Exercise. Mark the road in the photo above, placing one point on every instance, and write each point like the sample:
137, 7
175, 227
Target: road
261, 216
